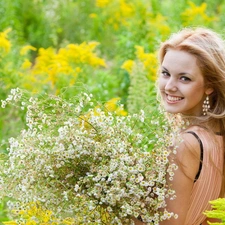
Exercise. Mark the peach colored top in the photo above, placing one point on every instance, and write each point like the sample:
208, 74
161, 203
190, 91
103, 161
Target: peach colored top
209, 183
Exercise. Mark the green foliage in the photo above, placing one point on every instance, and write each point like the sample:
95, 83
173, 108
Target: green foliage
119, 26
3, 212
218, 211
139, 97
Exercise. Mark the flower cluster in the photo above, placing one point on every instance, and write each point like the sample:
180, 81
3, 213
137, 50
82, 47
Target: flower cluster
34, 214
149, 61
77, 155
66, 63
196, 15
116, 12
5, 44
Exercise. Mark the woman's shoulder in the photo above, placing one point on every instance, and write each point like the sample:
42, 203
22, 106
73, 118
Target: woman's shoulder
196, 129
203, 139
191, 140
188, 152
200, 133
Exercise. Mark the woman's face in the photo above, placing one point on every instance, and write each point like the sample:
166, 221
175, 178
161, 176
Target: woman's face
181, 83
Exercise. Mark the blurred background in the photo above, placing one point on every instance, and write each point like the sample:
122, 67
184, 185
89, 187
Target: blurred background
109, 46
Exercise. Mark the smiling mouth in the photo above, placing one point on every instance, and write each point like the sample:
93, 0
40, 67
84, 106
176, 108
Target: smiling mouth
173, 98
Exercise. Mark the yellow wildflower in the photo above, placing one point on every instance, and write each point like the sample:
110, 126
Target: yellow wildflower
126, 9
68, 221
113, 106
102, 3
26, 48
149, 61
117, 13
31, 222
83, 53
159, 24
34, 214
78, 69
121, 112
140, 53
26, 64
93, 15
151, 66
10, 223
5, 44
110, 106
128, 65
66, 63
196, 15
122, 12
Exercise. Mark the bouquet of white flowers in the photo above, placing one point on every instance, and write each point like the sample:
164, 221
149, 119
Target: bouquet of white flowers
80, 160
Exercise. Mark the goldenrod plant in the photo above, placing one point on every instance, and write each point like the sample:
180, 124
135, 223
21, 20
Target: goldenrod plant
51, 47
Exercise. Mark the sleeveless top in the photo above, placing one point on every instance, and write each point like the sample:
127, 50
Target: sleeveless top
208, 181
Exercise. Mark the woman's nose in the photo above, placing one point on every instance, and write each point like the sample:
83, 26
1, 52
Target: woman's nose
171, 85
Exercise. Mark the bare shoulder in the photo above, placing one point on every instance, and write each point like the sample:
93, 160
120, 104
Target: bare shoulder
189, 143
188, 154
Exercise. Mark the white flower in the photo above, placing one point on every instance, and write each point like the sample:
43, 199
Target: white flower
76, 188
103, 162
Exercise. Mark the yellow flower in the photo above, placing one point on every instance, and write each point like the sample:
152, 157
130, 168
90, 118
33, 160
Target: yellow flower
140, 53
78, 69
102, 3
196, 14
126, 9
149, 61
25, 49
68, 221
26, 64
93, 15
83, 53
128, 65
158, 25
51, 66
116, 12
121, 112
5, 44
113, 106
151, 66
32, 222
34, 214
10, 223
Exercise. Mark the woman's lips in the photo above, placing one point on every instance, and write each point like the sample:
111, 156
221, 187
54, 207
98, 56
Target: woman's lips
173, 99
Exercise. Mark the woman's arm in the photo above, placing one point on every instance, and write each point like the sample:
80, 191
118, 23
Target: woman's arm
187, 159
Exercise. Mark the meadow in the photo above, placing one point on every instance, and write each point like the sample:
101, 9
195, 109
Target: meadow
107, 48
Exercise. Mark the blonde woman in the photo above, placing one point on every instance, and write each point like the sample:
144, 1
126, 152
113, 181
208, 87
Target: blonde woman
192, 84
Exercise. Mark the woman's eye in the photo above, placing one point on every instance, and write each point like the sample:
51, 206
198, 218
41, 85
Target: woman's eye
183, 78
164, 73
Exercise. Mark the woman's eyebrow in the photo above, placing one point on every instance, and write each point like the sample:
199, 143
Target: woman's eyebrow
165, 69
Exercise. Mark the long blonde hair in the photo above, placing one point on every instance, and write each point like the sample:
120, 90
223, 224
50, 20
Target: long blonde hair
209, 49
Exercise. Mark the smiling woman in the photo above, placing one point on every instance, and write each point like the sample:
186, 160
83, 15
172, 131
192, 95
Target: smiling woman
191, 85
181, 83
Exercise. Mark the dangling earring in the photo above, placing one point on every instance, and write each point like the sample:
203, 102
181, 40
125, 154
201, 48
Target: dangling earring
206, 105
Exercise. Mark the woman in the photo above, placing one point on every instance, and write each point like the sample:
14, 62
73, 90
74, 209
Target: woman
192, 84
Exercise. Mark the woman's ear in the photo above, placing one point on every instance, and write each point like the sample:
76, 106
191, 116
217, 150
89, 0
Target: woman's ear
209, 91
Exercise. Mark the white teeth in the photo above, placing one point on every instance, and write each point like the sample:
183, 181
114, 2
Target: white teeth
172, 98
